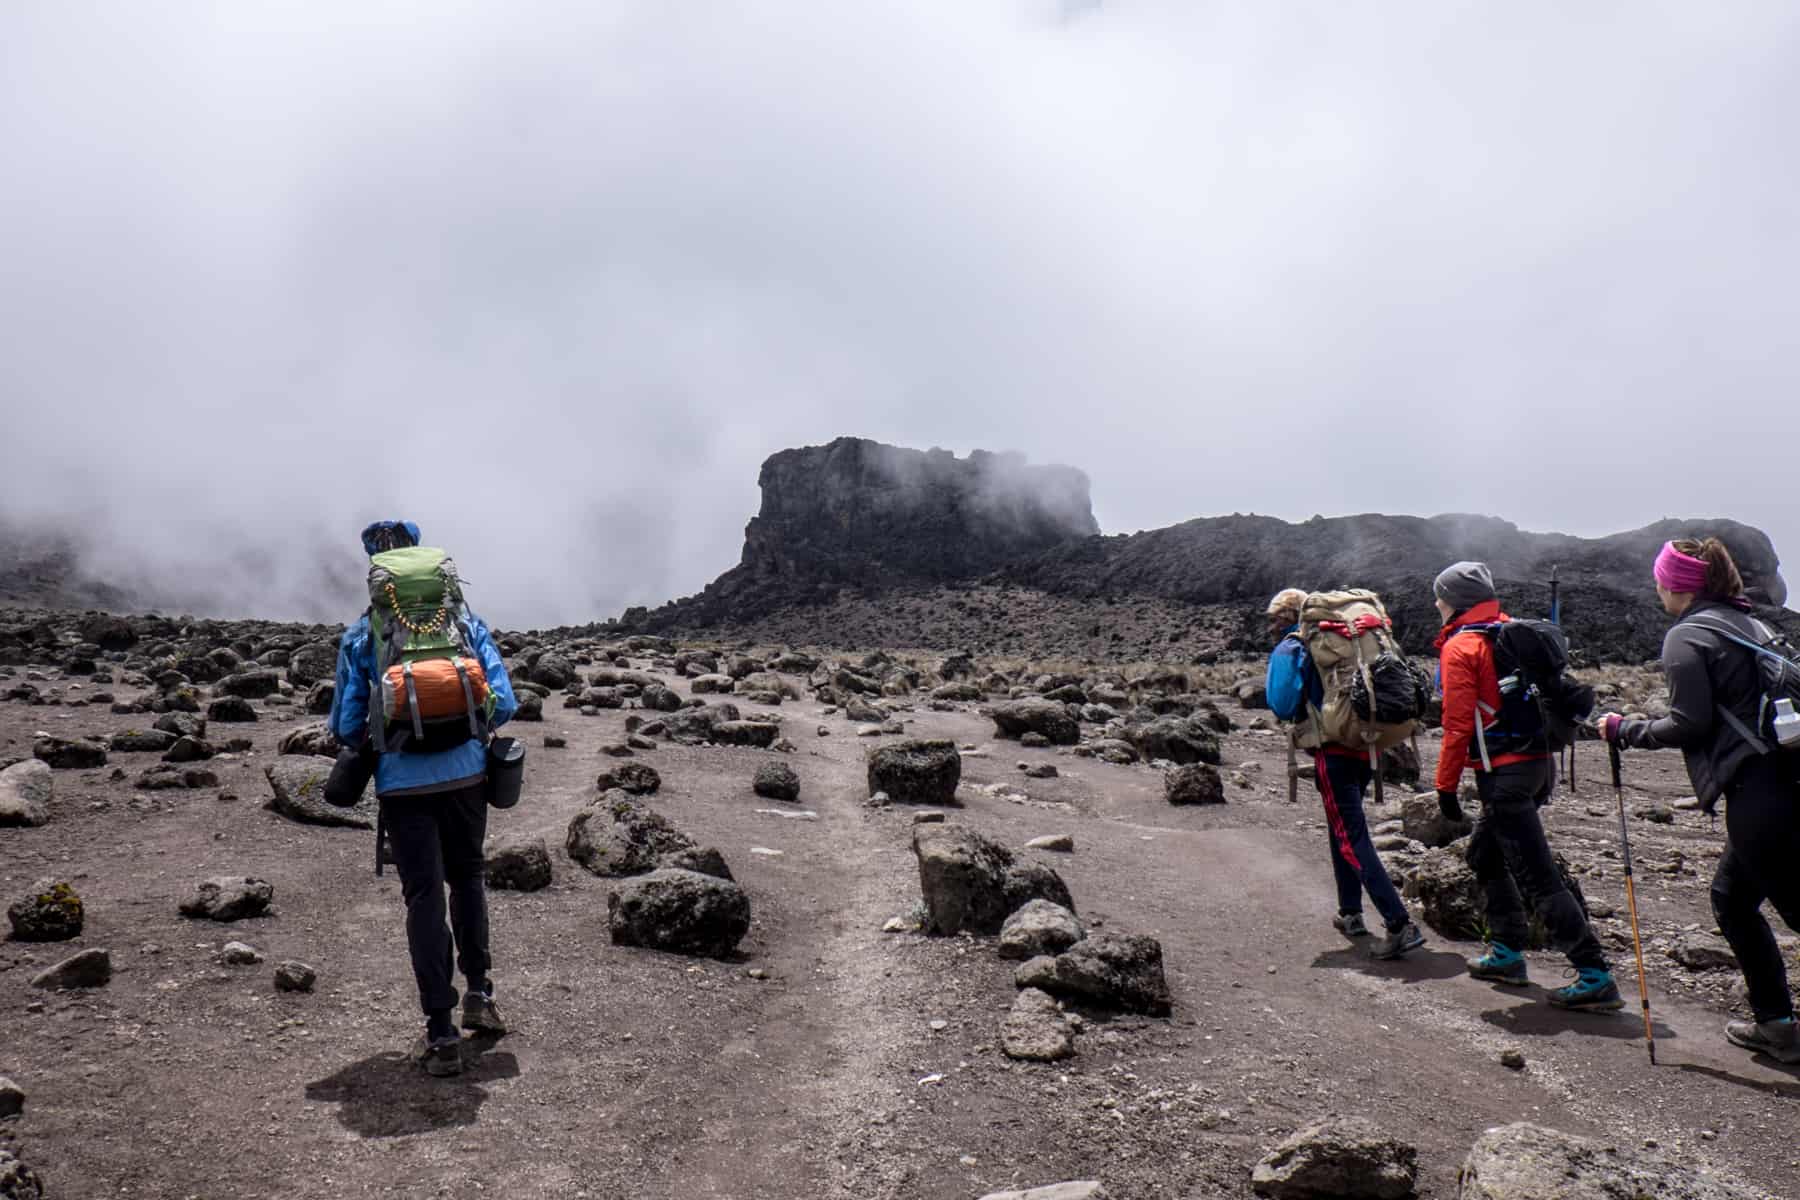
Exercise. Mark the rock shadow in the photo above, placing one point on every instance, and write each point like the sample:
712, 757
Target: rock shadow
1773, 1087
387, 1095
1543, 1020
1421, 966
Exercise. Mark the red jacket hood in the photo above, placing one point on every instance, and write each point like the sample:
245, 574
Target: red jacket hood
1485, 613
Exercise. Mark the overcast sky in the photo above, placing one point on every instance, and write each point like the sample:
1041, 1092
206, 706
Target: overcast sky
553, 279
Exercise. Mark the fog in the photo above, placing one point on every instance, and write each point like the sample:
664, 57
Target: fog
552, 280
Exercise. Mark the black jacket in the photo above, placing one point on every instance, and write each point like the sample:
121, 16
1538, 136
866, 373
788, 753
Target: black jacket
1705, 672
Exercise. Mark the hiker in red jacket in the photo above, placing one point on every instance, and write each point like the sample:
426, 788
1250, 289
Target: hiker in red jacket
1514, 775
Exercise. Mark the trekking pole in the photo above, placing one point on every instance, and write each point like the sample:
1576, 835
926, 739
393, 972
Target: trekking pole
1637, 943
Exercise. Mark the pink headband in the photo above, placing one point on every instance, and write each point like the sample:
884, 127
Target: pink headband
1680, 572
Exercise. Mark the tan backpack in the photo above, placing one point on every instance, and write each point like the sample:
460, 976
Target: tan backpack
1373, 698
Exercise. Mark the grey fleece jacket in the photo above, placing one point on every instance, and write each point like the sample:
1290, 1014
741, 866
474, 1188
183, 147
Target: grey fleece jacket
1705, 672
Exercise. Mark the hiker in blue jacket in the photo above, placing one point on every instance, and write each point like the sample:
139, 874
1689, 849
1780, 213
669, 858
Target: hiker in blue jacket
435, 813
1342, 774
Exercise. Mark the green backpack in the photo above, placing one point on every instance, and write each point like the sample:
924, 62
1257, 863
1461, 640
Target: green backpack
429, 692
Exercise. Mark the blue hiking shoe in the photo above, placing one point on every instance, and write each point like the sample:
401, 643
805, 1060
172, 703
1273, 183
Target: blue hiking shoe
1501, 964
1592, 991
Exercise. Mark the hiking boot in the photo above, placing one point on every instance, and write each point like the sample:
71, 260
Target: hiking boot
1396, 942
481, 1015
1780, 1040
440, 1057
1501, 964
1592, 991
1350, 925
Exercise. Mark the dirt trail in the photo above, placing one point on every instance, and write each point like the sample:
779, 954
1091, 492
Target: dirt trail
634, 1073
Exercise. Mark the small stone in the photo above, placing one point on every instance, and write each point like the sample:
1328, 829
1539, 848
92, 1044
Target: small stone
554, 742
895, 925
239, 954
229, 898
1513, 1058
1036, 1030
617, 750
12, 1098
294, 976
1062, 843
939, 1025
1040, 771
927, 818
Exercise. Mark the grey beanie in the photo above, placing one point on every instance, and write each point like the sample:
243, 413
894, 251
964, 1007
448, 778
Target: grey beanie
1463, 585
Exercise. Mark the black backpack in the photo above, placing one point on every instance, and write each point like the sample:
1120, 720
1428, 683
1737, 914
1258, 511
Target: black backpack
1777, 671
1539, 701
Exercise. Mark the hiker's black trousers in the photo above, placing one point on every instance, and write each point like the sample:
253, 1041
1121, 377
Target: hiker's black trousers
437, 840
1509, 853
1761, 862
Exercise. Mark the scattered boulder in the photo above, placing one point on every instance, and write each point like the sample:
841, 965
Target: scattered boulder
12, 1100
1698, 953
250, 685
1338, 1157
1061, 843
1529, 1162
639, 779
1450, 899
1039, 927
972, 883
1048, 719
189, 749
1400, 765
1108, 970
298, 786
312, 664
776, 781
522, 865
315, 738
704, 860
683, 912
530, 706
88, 969
173, 775
294, 976
709, 685
69, 753
229, 898
25, 791
1036, 1030
757, 734
17, 1181
917, 772
1177, 739
182, 724
1422, 821
1251, 694
658, 698
49, 912
239, 954
1079, 1189
231, 710
1194, 783
616, 836
320, 697
1038, 770
140, 741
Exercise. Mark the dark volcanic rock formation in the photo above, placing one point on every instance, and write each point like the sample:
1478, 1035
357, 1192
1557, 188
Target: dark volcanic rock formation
862, 515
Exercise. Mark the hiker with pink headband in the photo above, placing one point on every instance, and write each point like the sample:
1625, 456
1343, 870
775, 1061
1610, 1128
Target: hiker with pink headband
1716, 719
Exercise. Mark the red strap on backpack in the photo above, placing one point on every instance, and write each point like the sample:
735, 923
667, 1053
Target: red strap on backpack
1367, 623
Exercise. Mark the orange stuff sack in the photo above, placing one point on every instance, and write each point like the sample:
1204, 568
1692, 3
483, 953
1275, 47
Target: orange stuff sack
439, 689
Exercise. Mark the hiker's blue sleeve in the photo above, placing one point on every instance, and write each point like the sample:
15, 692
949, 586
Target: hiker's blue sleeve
494, 667
350, 700
1286, 680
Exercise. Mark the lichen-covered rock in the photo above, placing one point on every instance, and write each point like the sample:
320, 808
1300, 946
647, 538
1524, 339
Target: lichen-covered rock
683, 912
297, 786
1338, 1157
616, 836
638, 779
50, 912
917, 772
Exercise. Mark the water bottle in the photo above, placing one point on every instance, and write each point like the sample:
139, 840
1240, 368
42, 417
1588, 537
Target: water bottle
1787, 723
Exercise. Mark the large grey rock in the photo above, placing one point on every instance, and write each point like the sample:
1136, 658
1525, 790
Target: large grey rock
88, 969
1422, 821
251, 685
776, 781
694, 725
140, 741
1338, 1157
1698, 953
1194, 783
297, 784
1048, 718
1530, 1162
17, 1181
25, 792
704, 685
659, 698
684, 912
189, 749
1039, 927
1178, 739
973, 883
69, 753
639, 779
757, 734
229, 898
521, 865
182, 724
1108, 970
1077, 1189
1036, 1030
313, 663
917, 771
616, 836
50, 912
313, 738
227, 710
173, 775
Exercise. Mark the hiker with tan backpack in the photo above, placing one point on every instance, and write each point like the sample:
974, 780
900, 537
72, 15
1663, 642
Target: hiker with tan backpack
1338, 676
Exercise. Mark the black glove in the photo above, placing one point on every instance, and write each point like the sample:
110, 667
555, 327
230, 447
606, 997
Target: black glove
1450, 806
